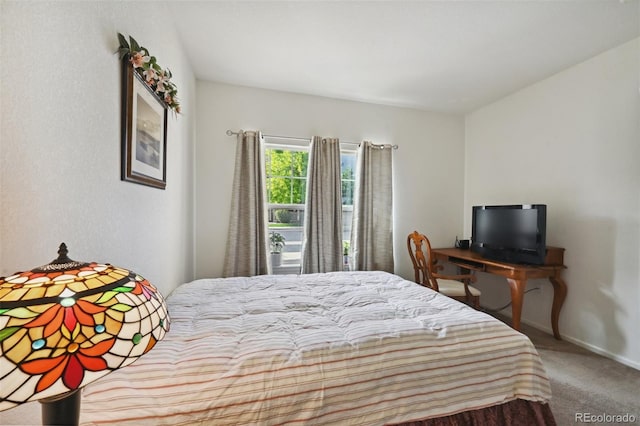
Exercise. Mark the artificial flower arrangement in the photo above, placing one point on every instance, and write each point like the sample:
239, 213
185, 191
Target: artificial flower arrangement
147, 67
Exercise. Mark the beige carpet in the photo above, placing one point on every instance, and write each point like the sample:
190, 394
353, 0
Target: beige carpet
587, 386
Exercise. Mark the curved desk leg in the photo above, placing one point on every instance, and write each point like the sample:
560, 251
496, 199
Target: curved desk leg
559, 294
517, 296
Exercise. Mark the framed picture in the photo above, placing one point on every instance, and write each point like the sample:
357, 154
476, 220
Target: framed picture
144, 132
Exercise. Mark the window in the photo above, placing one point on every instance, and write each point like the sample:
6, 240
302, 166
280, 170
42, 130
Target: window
286, 175
348, 167
286, 170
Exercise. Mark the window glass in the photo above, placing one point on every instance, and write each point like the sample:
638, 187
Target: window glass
286, 170
286, 176
348, 167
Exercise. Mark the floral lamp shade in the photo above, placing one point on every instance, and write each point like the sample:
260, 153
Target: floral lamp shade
67, 323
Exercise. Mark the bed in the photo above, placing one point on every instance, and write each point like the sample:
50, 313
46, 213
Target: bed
360, 348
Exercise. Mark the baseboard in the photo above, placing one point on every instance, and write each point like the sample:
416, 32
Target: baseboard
585, 345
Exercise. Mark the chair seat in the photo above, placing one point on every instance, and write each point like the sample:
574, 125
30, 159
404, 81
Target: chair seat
455, 288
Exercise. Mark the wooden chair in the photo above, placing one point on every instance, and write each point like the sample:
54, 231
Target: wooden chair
426, 273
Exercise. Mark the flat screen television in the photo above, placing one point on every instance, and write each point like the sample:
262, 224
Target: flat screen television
510, 233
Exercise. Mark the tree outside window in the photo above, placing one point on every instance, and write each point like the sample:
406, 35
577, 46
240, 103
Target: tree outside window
348, 168
286, 176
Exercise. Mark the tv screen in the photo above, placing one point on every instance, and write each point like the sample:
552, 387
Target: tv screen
511, 233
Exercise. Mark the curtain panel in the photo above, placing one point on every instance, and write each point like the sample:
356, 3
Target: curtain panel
322, 242
371, 245
247, 242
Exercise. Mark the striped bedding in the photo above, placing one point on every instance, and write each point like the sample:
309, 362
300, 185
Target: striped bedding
365, 348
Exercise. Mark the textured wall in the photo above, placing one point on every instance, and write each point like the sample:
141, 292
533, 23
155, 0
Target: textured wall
428, 180
60, 142
572, 142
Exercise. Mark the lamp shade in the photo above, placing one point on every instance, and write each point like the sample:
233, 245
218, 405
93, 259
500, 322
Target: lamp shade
67, 323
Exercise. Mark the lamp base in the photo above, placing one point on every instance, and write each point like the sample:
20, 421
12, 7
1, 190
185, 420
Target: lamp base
63, 410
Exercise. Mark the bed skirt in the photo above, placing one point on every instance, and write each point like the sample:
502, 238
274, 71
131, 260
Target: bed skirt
514, 413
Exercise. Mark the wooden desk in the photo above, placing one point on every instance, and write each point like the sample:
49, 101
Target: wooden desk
517, 276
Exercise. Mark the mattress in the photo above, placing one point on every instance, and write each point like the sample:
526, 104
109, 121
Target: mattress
334, 348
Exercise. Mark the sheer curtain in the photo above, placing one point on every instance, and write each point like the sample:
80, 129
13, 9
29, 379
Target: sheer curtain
247, 244
372, 224
322, 243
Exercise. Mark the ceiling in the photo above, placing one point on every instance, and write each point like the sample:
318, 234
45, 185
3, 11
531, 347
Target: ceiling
447, 56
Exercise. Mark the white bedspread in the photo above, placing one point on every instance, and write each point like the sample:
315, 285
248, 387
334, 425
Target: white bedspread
339, 348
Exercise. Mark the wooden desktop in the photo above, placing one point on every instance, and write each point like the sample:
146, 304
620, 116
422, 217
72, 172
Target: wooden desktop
516, 275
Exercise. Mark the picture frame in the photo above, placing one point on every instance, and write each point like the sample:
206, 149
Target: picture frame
144, 132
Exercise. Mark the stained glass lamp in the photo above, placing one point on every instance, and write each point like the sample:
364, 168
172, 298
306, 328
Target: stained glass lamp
66, 324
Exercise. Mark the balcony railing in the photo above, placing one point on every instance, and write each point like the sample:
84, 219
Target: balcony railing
288, 220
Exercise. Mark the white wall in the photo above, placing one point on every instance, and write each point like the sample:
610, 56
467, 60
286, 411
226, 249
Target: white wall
60, 142
428, 177
576, 132
572, 142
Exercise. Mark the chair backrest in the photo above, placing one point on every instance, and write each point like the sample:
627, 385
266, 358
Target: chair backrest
420, 252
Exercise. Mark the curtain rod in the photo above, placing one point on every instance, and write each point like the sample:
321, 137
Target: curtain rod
308, 140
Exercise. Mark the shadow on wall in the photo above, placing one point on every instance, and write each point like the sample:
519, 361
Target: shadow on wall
603, 263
